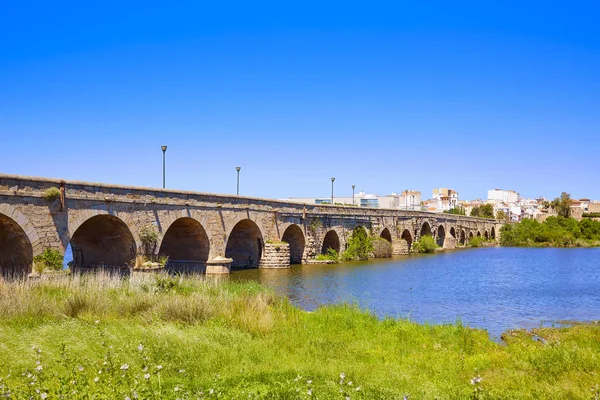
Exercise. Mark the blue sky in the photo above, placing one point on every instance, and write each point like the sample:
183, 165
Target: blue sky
386, 96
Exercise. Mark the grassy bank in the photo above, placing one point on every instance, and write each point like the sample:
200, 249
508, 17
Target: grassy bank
105, 338
553, 232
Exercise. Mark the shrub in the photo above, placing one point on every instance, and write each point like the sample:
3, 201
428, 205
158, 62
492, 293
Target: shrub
381, 248
426, 244
330, 255
477, 241
51, 194
148, 237
51, 259
360, 245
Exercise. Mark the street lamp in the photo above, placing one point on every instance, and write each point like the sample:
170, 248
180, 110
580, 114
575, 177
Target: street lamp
238, 179
332, 179
353, 186
164, 150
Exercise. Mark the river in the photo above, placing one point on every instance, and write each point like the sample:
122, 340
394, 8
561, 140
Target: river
495, 289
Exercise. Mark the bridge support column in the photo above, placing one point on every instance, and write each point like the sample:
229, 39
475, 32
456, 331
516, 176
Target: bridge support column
449, 243
219, 266
275, 255
399, 246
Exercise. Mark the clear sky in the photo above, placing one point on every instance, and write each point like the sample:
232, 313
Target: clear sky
387, 96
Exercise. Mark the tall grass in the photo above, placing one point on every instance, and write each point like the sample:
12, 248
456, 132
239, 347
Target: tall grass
163, 337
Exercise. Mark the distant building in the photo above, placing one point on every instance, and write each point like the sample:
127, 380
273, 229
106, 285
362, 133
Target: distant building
445, 198
503, 196
408, 200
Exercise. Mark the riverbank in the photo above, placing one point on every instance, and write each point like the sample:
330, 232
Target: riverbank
185, 338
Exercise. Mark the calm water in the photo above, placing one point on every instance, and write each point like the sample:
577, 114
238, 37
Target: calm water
491, 288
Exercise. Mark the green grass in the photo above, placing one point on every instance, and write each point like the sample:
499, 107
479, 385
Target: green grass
104, 338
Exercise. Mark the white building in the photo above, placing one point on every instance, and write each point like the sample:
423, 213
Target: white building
407, 200
445, 198
503, 196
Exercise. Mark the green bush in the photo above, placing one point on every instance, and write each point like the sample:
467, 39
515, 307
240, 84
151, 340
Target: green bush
477, 241
51, 194
426, 244
360, 246
51, 259
331, 255
381, 248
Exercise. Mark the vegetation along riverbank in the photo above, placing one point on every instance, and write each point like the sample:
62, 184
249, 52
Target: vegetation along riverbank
554, 231
163, 337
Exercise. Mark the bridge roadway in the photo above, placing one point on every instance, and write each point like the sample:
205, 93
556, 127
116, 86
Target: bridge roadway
107, 225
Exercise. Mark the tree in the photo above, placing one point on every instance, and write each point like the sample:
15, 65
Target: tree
483, 211
459, 210
501, 216
562, 205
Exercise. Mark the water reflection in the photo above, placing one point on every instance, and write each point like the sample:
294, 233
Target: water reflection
492, 288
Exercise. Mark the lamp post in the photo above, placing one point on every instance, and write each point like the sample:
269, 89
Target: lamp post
164, 150
353, 186
332, 179
238, 179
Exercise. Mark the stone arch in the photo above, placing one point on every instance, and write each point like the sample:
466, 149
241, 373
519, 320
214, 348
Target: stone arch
453, 232
245, 245
406, 236
486, 234
478, 234
493, 233
295, 238
441, 236
385, 234
16, 248
102, 240
470, 235
186, 243
426, 229
331, 241
463, 238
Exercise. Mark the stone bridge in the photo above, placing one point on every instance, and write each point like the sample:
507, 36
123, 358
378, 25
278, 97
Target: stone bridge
108, 225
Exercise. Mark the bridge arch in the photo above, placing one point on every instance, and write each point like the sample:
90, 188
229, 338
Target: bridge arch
493, 233
426, 229
295, 238
463, 239
385, 234
406, 236
102, 240
186, 243
453, 232
486, 234
331, 241
245, 245
441, 236
478, 233
17, 238
470, 235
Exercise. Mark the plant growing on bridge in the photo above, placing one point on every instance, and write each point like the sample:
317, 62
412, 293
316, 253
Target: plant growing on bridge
426, 244
149, 238
50, 259
360, 246
315, 225
51, 194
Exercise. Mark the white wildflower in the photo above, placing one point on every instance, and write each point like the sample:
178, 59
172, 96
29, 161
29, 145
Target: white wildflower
39, 368
96, 379
140, 347
124, 367
146, 376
